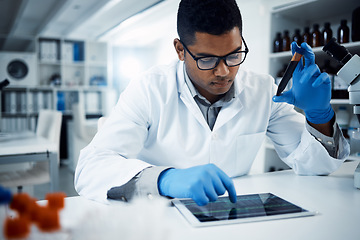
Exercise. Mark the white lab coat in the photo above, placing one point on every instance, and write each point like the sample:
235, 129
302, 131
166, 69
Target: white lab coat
157, 122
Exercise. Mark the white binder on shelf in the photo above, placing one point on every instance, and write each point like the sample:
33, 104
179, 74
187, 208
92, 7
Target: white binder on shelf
23, 103
40, 100
13, 102
43, 50
68, 52
30, 102
92, 103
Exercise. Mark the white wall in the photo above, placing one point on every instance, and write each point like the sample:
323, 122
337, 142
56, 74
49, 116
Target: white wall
149, 37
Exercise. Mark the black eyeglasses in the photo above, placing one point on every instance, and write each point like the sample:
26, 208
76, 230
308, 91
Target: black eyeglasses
210, 62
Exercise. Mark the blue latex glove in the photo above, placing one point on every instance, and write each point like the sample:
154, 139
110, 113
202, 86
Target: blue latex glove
5, 195
311, 89
201, 183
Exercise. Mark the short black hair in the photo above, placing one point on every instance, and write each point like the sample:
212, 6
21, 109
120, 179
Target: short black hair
208, 16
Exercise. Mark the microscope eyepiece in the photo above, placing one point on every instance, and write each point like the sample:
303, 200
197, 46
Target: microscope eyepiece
335, 50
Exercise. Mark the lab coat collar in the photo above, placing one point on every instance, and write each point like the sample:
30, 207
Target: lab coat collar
182, 86
228, 111
194, 92
234, 107
186, 96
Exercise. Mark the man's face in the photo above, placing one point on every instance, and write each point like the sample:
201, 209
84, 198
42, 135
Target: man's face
212, 84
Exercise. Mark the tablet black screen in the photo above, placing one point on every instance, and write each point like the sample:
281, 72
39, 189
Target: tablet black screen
254, 205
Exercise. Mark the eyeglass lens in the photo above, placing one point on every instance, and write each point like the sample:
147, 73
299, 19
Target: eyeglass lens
211, 62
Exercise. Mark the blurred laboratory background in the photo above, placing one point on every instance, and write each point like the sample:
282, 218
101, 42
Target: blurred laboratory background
77, 56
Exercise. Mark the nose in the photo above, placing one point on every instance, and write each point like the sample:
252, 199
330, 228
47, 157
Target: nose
221, 69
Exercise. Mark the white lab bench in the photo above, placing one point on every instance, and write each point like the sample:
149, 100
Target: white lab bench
333, 197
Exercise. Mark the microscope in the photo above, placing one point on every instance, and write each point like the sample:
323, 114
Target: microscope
350, 73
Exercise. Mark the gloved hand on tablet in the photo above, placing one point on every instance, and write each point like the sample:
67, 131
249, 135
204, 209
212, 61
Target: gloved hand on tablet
202, 183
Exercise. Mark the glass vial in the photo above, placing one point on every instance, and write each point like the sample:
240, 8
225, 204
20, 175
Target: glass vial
315, 36
355, 27
343, 32
286, 41
307, 36
297, 37
327, 33
280, 75
278, 43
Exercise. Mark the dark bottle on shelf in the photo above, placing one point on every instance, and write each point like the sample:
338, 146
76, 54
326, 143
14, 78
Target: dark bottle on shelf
327, 33
286, 41
355, 26
278, 43
315, 36
307, 36
343, 32
297, 37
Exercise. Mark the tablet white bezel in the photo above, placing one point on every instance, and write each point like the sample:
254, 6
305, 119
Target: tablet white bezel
196, 223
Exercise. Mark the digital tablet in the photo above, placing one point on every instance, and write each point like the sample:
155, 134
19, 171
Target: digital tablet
248, 208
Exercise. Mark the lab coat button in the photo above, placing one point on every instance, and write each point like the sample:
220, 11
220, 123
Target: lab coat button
329, 142
319, 139
150, 196
214, 136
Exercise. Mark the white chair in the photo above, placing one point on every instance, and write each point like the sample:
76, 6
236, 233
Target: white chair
82, 133
48, 126
84, 129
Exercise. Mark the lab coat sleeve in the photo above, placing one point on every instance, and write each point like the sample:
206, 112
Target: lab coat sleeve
110, 159
297, 147
142, 185
330, 143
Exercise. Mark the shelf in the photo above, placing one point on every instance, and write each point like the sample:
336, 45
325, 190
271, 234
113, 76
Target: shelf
314, 10
55, 63
74, 64
299, 14
339, 101
77, 62
317, 50
97, 64
14, 115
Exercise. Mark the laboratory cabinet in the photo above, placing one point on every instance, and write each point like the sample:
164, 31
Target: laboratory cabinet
301, 15
67, 71
20, 105
72, 62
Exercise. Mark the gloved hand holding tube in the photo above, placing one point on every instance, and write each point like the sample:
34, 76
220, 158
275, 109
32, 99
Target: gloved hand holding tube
201, 183
311, 89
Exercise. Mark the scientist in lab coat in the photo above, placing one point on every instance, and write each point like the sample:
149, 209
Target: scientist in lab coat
185, 129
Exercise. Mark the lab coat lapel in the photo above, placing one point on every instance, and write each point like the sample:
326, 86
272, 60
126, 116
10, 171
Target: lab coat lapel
185, 96
227, 112
231, 109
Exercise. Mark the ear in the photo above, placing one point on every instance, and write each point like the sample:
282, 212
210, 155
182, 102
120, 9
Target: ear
179, 48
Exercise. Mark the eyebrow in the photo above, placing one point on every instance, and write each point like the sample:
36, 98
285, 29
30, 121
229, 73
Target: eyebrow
211, 55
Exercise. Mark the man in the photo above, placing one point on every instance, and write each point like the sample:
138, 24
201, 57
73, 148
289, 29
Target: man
185, 129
